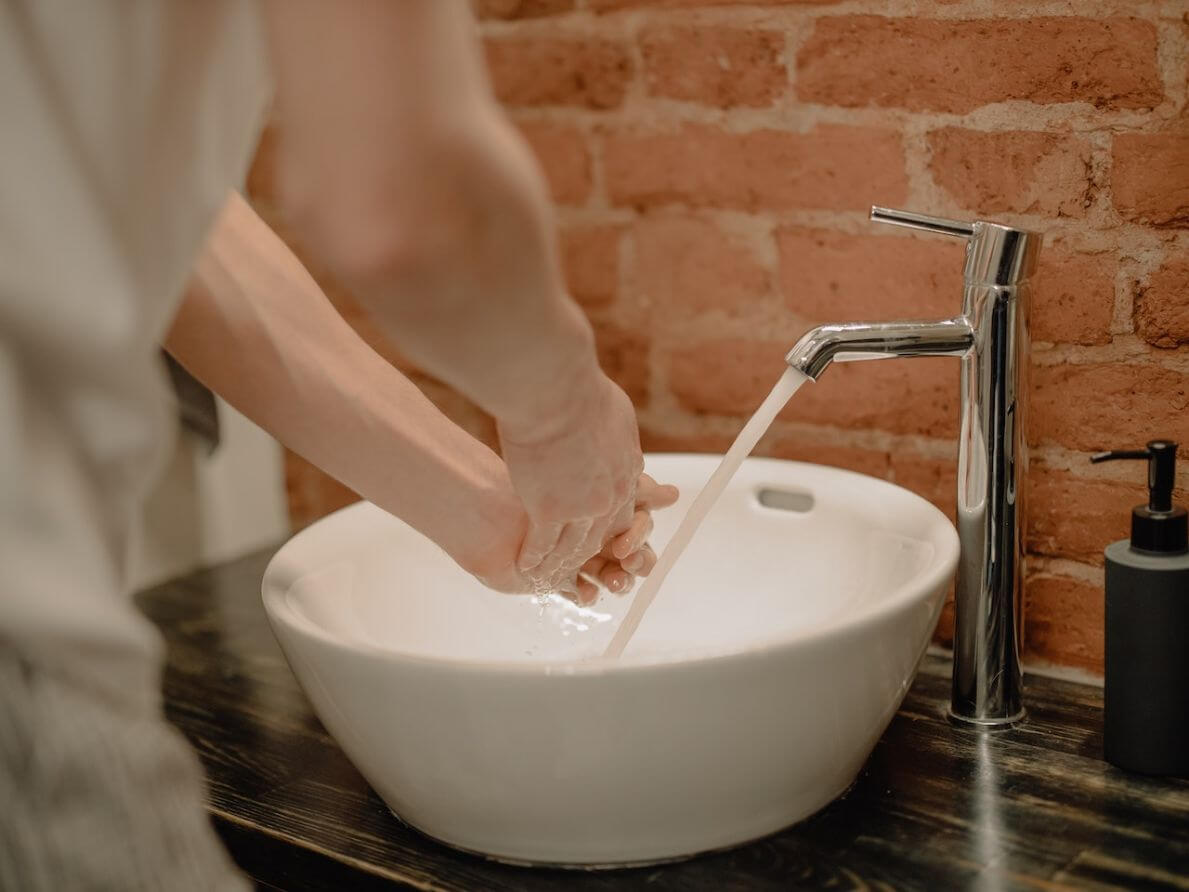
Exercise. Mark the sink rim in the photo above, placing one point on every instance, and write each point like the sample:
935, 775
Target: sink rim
280, 577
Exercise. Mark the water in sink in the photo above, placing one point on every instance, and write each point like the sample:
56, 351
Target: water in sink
789, 383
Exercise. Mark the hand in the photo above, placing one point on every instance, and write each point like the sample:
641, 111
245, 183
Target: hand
490, 536
500, 522
627, 555
576, 474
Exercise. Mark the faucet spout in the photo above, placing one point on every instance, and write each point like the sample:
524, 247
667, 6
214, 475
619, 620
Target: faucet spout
853, 341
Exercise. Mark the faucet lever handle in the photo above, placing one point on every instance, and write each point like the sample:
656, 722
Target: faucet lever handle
922, 221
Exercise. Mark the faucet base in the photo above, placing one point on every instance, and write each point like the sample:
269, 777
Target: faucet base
986, 724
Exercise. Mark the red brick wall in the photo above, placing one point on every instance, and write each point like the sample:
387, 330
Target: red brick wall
713, 163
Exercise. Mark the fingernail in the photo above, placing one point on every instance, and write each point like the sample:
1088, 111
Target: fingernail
633, 562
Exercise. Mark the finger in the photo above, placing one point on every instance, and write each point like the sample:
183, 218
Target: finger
607, 573
594, 566
540, 541
616, 579
567, 555
645, 487
587, 592
635, 537
640, 562
653, 495
644, 561
607, 551
605, 534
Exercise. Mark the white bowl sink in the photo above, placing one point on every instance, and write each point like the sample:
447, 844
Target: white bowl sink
761, 678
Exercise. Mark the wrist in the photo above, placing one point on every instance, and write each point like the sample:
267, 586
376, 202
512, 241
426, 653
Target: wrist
564, 384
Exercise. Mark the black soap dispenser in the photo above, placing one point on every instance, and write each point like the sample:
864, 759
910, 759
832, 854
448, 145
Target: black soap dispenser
1146, 709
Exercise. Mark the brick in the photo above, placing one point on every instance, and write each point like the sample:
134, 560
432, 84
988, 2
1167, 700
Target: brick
1150, 177
688, 265
1162, 305
930, 478
1073, 296
585, 72
624, 356
731, 377
726, 377
1106, 405
520, 9
956, 66
616, 5
1077, 517
311, 493
1016, 171
714, 65
830, 276
904, 396
659, 441
561, 150
1063, 621
832, 167
590, 258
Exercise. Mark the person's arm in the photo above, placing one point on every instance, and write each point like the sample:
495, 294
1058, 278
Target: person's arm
401, 174
256, 328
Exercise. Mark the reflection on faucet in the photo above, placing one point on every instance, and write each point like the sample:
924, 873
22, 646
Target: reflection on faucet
991, 338
986, 822
854, 341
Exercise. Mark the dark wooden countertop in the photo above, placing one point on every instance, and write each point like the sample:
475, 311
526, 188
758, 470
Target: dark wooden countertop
936, 807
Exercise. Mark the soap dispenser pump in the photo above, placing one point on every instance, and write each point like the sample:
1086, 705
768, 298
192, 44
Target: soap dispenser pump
1146, 696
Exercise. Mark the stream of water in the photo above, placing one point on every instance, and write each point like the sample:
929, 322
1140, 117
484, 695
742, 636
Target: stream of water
788, 384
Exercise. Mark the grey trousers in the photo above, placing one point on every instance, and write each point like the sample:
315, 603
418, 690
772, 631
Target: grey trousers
96, 797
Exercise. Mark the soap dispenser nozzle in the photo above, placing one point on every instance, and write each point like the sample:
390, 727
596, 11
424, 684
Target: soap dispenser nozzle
1158, 527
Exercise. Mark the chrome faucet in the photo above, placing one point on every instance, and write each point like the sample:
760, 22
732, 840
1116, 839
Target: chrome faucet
991, 338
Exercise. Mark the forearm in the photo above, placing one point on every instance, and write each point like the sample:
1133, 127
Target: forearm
487, 311
409, 183
255, 327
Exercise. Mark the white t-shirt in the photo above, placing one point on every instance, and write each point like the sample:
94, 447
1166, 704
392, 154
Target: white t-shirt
123, 123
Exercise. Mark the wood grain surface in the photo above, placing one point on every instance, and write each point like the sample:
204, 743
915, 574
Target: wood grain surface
936, 807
